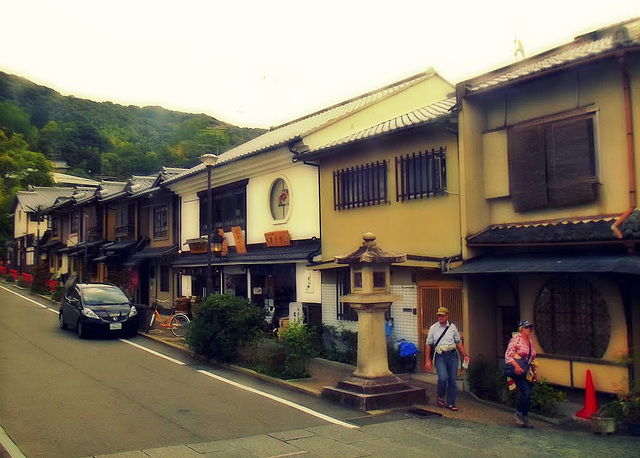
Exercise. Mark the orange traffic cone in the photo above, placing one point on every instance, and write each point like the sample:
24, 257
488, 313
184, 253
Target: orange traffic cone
590, 403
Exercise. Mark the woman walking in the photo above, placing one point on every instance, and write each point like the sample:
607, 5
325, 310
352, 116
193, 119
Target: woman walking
520, 354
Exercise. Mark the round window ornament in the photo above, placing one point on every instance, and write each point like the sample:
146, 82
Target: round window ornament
279, 199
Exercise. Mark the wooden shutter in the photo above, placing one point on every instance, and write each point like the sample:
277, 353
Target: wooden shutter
570, 162
527, 168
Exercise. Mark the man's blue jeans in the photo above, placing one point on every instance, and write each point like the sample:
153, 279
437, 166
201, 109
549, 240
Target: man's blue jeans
447, 367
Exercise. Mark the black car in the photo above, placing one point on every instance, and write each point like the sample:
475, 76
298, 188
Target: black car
98, 307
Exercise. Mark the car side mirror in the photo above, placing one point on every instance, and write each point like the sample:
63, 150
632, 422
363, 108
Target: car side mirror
71, 300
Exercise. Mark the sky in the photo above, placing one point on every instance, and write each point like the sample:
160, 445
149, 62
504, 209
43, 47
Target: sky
262, 63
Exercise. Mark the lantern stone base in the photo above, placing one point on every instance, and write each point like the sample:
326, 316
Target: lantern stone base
375, 393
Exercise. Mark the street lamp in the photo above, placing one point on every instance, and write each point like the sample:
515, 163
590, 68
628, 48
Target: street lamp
209, 160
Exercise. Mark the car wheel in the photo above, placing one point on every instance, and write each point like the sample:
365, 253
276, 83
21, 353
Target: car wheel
82, 332
63, 325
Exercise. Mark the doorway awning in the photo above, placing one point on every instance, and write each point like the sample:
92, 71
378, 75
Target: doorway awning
539, 263
156, 252
273, 255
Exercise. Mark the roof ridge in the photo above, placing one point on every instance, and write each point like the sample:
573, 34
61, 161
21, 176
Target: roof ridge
414, 78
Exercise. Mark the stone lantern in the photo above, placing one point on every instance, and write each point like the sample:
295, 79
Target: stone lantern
372, 386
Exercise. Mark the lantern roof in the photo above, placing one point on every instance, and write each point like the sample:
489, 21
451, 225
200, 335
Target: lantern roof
370, 253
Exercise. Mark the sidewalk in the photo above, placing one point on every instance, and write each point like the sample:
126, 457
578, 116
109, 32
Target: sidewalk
329, 373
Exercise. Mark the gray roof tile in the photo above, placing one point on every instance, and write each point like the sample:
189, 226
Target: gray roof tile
597, 43
290, 131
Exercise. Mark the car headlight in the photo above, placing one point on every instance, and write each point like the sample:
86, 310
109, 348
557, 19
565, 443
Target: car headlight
133, 312
89, 313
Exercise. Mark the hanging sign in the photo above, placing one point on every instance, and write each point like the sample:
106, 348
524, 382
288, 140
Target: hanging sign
239, 240
277, 238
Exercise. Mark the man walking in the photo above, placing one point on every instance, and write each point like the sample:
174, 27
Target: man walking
443, 338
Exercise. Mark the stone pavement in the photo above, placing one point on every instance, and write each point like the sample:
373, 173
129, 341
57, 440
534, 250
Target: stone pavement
404, 437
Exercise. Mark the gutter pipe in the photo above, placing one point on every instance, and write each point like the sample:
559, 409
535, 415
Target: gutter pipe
630, 148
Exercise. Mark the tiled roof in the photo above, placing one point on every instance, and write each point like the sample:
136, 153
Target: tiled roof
290, 131
42, 197
630, 227
594, 44
585, 230
421, 116
255, 256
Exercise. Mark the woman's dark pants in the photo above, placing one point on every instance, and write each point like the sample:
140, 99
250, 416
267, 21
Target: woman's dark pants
525, 396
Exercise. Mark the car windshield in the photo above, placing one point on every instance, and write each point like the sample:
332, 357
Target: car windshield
104, 296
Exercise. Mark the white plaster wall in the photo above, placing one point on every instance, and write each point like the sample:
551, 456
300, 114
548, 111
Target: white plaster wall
186, 285
190, 216
405, 324
302, 222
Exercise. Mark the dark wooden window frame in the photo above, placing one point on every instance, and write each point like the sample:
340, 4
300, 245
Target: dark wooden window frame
552, 162
360, 186
344, 312
74, 222
229, 207
164, 279
572, 317
421, 175
161, 222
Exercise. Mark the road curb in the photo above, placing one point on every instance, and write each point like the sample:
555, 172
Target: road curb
240, 369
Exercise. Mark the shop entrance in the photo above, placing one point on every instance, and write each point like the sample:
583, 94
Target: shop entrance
273, 287
431, 296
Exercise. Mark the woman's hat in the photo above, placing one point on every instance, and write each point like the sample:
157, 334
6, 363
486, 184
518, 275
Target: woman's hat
525, 324
443, 311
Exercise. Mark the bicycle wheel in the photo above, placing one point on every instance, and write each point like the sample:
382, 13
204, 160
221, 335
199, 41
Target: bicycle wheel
179, 325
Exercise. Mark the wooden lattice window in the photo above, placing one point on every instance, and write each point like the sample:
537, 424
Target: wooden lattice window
360, 186
572, 318
552, 163
421, 175
161, 221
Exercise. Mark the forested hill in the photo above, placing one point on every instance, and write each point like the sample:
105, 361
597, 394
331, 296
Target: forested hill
107, 139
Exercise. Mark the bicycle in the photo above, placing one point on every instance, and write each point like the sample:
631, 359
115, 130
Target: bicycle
178, 323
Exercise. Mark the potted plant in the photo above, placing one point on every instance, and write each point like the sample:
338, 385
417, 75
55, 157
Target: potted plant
631, 413
604, 420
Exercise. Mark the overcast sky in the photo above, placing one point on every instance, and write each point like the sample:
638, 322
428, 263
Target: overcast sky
262, 63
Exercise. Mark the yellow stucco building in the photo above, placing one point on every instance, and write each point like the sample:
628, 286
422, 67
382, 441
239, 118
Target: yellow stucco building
548, 154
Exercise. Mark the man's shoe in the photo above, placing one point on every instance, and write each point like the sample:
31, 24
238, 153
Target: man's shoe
518, 420
527, 425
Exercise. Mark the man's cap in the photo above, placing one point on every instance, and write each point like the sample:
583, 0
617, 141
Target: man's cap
443, 311
524, 324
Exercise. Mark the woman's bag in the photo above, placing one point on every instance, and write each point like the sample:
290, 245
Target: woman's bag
510, 371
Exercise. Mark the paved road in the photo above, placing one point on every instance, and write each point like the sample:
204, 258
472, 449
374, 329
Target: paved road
62, 396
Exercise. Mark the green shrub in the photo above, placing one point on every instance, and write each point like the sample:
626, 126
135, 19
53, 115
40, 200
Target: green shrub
8, 278
40, 276
545, 398
22, 283
299, 349
57, 293
270, 358
222, 325
486, 379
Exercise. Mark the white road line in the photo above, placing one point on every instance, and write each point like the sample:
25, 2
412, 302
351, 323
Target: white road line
153, 352
9, 445
282, 401
222, 379
24, 297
